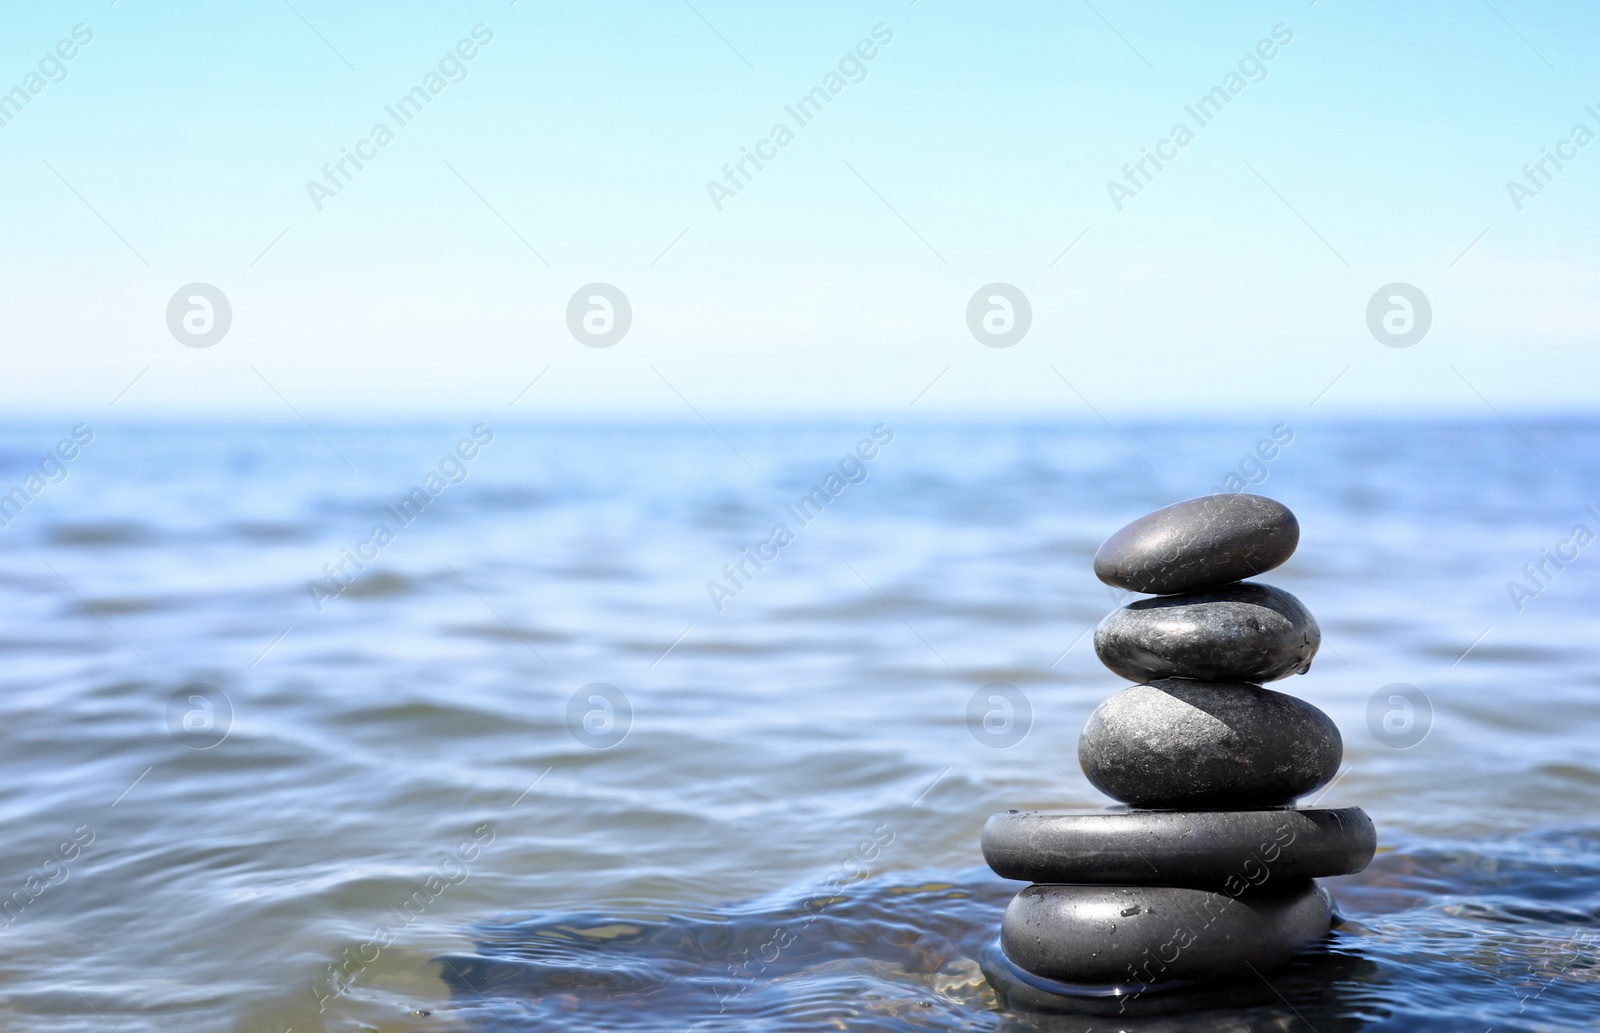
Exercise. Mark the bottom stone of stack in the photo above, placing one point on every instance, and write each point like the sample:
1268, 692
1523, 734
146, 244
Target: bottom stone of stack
1325, 982
1142, 936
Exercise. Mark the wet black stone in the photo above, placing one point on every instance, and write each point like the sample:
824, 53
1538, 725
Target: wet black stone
1184, 744
1201, 543
1243, 632
1227, 849
1320, 982
1135, 936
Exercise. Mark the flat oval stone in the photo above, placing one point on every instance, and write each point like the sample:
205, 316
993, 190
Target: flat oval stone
1135, 936
1202, 543
1244, 632
1228, 849
1182, 744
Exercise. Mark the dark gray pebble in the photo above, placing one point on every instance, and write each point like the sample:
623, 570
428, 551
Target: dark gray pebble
1202, 543
1135, 936
1184, 744
1245, 632
1227, 849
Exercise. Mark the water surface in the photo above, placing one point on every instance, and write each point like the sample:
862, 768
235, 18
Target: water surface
409, 826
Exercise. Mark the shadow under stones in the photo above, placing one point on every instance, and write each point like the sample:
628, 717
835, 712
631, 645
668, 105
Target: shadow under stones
883, 954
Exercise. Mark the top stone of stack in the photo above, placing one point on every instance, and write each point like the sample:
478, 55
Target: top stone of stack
1198, 544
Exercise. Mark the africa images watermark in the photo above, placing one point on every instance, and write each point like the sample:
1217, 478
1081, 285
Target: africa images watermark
53, 872
52, 469
52, 69
1252, 69
1251, 472
1253, 469
1565, 150
1253, 872
452, 68
454, 870
1538, 576
855, 868
452, 469
852, 68
852, 469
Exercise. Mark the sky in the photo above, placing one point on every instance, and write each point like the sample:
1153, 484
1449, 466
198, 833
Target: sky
961, 146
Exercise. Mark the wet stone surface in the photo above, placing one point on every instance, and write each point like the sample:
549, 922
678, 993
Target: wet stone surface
1229, 849
1246, 632
1178, 743
1201, 543
1139, 935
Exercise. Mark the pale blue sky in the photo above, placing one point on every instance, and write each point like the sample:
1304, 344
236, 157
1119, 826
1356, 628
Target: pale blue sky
578, 145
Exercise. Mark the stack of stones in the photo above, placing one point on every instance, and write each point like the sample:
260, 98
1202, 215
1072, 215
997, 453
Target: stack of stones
1207, 872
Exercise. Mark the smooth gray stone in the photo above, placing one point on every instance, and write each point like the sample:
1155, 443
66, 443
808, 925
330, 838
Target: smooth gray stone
1176, 743
1244, 632
1142, 935
1201, 543
1230, 849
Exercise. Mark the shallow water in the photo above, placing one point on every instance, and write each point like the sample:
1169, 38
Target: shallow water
409, 825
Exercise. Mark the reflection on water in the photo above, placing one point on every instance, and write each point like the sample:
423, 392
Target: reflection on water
880, 957
521, 772
777, 962
888, 951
